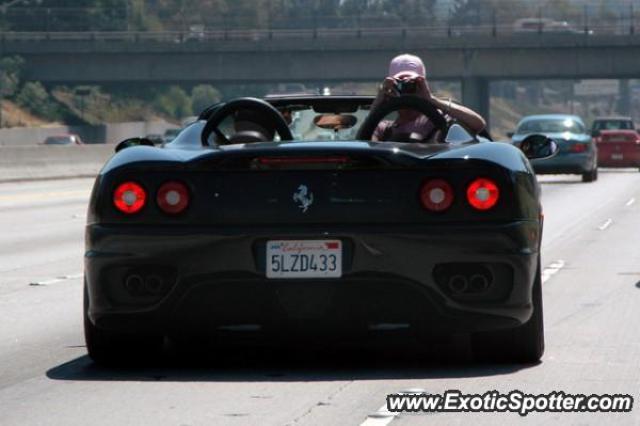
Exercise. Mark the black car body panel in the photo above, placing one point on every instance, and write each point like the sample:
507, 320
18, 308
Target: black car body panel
208, 263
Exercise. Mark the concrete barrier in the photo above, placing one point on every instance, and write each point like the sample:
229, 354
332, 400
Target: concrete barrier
22, 158
104, 133
51, 162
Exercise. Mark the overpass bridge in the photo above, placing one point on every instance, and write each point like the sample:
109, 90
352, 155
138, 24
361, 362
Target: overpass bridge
474, 59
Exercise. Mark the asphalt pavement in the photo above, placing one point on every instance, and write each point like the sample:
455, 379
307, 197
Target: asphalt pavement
591, 295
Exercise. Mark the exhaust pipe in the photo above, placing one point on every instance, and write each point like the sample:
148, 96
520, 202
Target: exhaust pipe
458, 284
134, 284
479, 283
153, 284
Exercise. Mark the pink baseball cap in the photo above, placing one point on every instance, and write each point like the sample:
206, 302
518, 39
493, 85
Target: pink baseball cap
406, 65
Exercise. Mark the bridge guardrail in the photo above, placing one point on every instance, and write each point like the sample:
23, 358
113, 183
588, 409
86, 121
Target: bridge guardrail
436, 31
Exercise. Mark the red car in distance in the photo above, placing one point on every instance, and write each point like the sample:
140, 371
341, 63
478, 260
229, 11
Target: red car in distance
618, 142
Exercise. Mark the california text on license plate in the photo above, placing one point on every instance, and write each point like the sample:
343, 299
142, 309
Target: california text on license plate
304, 259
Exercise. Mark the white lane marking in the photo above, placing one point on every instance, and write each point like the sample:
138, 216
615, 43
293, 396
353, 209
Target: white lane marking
45, 282
56, 280
38, 196
630, 202
552, 269
383, 416
71, 276
606, 224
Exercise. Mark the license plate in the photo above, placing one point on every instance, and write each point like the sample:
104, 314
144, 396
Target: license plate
617, 157
304, 259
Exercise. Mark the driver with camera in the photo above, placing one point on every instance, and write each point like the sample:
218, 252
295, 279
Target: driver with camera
407, 77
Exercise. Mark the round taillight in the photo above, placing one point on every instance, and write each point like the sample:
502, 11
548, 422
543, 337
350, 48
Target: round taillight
173, 197
483, 194
436, 195
129, 197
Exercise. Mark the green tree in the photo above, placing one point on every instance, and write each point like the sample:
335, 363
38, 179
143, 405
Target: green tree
111, 15
174, 102
477, 12
415, 12
68, 15
354, 7
34, 97
180, 14
10, 69
203, 96
412, 12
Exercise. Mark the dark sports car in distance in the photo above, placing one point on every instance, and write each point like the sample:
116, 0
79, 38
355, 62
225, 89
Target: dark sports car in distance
578, 152
618, 141
234, 232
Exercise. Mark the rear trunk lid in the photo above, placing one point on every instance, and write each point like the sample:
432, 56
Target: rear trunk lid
324, 184
349, 183
618, 145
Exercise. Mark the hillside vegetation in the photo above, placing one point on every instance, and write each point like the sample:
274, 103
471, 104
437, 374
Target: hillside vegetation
31, 103
28, 103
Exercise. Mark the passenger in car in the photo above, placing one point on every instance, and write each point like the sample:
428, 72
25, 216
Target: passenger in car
407, 76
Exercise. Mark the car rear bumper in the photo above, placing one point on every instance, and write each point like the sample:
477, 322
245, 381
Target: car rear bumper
618, 163
619, 159
618, 154
214, 280
564, 164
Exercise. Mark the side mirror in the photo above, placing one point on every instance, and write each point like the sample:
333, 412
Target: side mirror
538, 146
510, 134
595, 133
128, 143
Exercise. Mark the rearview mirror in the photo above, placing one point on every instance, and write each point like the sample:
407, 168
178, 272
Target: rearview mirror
335, 122
538, 146
128, 143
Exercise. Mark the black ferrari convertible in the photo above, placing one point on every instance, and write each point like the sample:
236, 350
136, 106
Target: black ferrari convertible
279, 220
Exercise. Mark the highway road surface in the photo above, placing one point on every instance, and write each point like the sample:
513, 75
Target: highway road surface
591, 260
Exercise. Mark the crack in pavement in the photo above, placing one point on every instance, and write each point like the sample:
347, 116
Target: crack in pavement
321, 403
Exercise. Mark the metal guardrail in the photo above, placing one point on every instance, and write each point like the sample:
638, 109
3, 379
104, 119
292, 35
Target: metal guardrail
439, 31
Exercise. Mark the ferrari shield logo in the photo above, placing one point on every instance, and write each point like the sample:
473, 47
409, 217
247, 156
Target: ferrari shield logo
303, 197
